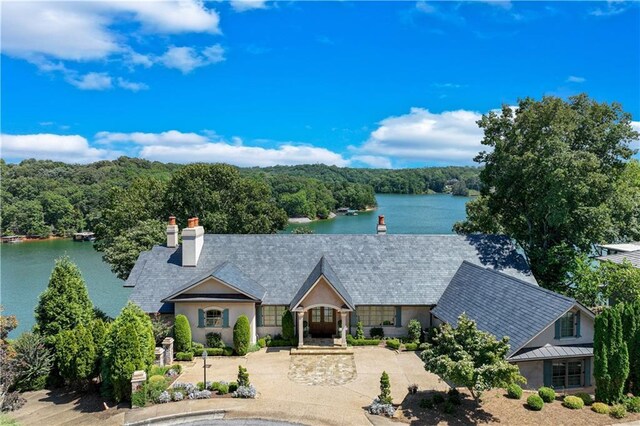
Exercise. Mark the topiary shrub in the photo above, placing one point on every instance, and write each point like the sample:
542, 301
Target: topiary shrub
547, 394
241, 335
385, 389
182, 334
632, 404
214, 340
573, 402
243, 376
514, 391
184, 356
414, 329
393, 344
585, 397
600, 408
376, 332
535, 403
287, 325
359, 330
411, 347
197, 349
618, 411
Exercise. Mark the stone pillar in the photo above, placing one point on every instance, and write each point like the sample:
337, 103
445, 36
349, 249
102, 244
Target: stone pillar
300, 329
167, 345
343, 332
159, 352
138, 379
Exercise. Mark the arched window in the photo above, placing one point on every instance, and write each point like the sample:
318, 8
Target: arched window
213, 318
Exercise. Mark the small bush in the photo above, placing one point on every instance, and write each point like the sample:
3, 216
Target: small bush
139, 398
535, 403
222, 388
288, 331
184, 356
241, 335
182, 333
197, 349
157, 384
547, 394
411, 347
157, 370
381, 409
164, 397
33, 361
359, 330
214, 340
157, 379
632, 404
600, 408
245, 392
514, 391
573, 402
426, 403
618, 411
414, 328
262, 342
361, 342
280, 343
438, 398
393, 344
178, 396
177, 368
233, 386
585, 397
449, 408
243, 376
385, 389
376, 332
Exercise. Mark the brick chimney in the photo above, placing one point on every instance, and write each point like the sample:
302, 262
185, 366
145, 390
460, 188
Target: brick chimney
381, 229
192, 242
172, 233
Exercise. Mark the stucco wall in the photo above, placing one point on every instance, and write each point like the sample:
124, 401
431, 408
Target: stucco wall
322, 294
533, 371
190, 310
212, 285
421, 313
547, 336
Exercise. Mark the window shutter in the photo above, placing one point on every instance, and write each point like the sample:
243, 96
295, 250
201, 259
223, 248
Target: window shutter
259, 316
587, 372
578, 324
398, 316
225, 318
200, 318
548, 372
557, 336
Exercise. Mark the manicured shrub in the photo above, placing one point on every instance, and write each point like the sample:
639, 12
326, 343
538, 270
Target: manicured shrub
139, 398
228, 351
414, 329
573, 402
393, 344
359, 330
243, 376
385, 389
632, 404
262, 342
426, 403
33, 362
611, 356
600, 408
514, 391
214, 340
585, 397
233, 386
184, 356
154, 380
241, 335
618, 411
361, 342
222, 388
287, 325
547, 394
535, 403
75, 355
411, 347
274, 343
438, 398
376, 332
182, 334
197, 349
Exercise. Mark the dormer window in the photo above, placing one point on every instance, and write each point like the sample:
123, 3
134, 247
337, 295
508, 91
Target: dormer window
568, 325
213, 318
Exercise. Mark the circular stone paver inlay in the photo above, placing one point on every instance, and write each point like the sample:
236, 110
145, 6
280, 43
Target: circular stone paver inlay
328, 370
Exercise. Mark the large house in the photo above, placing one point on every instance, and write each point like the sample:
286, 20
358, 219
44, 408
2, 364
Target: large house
330, 282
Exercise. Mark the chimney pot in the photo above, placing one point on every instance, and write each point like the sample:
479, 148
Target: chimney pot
381, 220
172, 220
381, 229
172, 233
196, 221
190, 222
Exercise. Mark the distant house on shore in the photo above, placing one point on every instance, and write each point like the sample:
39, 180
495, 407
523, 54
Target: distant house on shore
332, 282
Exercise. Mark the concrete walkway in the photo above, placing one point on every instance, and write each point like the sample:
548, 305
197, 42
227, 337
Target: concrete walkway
279, 398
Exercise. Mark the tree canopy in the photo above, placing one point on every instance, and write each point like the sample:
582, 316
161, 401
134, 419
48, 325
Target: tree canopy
552, 180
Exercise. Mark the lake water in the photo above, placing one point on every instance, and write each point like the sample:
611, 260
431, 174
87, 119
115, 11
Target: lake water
25, 267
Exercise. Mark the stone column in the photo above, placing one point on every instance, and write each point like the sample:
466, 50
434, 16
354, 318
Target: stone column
138, 379
167, 345
343, 332
159, 352
300, 329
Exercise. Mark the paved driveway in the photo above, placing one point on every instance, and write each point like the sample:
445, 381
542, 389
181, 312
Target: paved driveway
279, 397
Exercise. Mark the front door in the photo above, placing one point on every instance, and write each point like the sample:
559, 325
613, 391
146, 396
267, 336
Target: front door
322, 322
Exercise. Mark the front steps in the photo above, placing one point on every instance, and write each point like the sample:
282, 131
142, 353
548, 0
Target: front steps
322, 350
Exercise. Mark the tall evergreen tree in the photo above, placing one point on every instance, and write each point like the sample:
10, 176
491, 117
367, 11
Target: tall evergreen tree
601, 356
631, 333
611, 356
65, 303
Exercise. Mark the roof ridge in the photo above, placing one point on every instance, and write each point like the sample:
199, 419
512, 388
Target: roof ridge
537, 287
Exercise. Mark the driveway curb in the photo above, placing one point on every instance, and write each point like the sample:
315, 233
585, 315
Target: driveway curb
175, 416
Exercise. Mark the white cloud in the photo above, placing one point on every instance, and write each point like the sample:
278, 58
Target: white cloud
186, 59
82, 31
131, 85
425, 7
171, 137
92, 81
375, 161
47, 146
420, 135
244, 5
575, 79
613, 8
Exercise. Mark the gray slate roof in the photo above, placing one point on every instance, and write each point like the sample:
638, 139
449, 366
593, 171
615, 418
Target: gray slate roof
374, 269
322, 269
500, 304
632, 256
231, 276
551, 352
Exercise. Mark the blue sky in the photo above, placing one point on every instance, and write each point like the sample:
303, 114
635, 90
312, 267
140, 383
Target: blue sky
368, 84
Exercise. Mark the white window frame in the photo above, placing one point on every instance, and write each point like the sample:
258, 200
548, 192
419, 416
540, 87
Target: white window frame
214, 321
272, 315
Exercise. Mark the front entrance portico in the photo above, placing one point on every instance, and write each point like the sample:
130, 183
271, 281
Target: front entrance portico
324, 326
